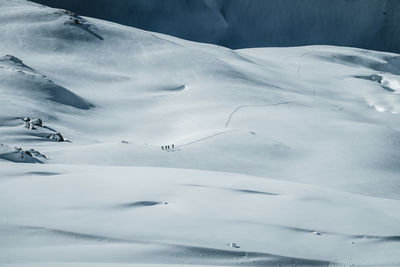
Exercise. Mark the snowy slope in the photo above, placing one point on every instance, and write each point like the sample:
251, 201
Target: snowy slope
282, 155
370, 24
77, 214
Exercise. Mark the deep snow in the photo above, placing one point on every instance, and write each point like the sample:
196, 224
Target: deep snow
282, 155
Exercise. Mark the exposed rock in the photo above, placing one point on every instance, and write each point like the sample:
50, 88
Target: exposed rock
36, 153
29, 125
57, 137
37, 122
233, 245
17, 154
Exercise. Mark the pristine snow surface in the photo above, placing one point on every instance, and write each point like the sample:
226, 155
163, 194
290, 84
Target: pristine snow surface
283, 156
370, 24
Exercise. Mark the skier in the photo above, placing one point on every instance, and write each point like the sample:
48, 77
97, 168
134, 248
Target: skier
173, 146
162, 147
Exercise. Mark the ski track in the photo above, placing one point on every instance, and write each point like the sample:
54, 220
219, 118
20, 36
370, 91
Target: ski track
255, 105
205, 138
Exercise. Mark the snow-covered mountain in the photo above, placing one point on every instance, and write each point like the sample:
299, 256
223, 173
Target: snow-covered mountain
369, 24
282, 156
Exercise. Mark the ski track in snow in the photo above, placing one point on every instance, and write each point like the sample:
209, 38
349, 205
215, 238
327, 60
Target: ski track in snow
205, 138
254, 105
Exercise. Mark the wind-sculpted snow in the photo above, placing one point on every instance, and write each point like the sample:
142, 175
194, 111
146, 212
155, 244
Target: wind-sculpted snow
159, 150
371, 24
16, 78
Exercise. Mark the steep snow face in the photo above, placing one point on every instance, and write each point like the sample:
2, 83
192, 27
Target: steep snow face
369, 24
294, 152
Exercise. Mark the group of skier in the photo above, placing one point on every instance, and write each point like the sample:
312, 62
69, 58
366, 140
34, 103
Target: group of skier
167, 147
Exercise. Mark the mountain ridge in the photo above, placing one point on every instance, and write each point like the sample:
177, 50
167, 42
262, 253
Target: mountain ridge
371, 24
